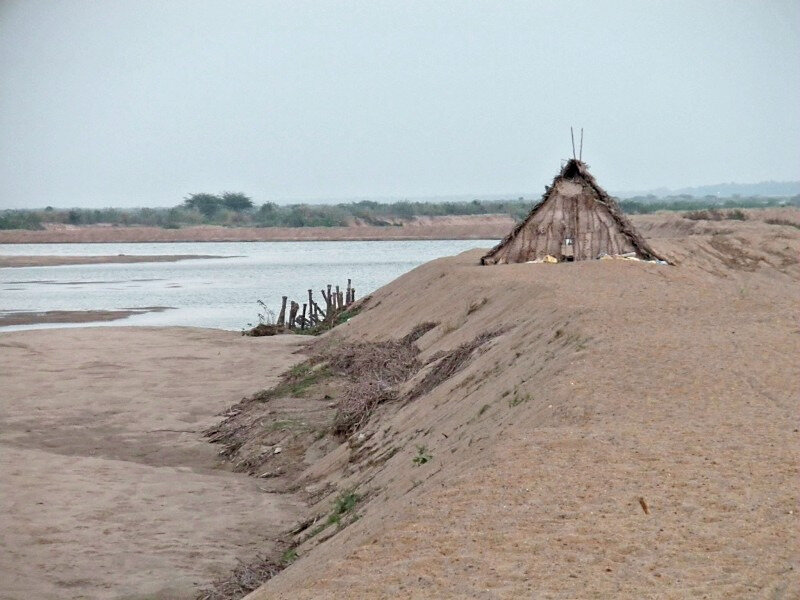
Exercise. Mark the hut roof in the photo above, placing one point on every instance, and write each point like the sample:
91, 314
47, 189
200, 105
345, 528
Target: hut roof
575, 220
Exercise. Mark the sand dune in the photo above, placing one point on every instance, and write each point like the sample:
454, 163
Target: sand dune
616, 385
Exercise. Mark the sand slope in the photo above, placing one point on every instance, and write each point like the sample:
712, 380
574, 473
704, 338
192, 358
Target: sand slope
108, 490
614, 381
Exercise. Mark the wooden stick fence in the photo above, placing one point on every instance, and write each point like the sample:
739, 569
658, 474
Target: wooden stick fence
312, 315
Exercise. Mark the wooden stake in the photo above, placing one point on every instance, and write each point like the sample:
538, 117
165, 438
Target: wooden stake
282, 315
303, 318
292, 313
312, 317
319, 312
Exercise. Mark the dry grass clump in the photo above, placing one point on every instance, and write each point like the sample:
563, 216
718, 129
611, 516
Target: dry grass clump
391, 361
377, 368
452, 362
713, 214
358, 402
244, 579
374, 369
265, 329
383, 361
786, 222
418, 332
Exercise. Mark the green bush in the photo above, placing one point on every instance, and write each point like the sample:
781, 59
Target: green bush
19, 219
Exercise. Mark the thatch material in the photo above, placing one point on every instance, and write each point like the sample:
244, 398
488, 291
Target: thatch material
575, 220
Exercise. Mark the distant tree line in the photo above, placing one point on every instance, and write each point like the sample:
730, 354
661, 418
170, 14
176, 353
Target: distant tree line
236, 209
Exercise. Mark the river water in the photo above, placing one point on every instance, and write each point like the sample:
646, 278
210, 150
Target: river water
218, 293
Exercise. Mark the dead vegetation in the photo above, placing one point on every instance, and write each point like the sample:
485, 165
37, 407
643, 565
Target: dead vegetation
786, 222
264, 329
357, 404
357, 378
244, 579
374, 369
451, 363
735, 253
714, 214
390, 361
341, 386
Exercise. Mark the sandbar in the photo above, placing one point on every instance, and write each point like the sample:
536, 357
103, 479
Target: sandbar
55, 261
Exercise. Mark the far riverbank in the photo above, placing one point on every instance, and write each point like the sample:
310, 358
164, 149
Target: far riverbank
424, 228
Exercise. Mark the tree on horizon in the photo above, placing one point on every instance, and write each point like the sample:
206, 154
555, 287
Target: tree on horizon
236, 201
206, 204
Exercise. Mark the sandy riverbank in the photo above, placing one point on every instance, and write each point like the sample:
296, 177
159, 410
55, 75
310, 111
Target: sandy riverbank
108, 489
456, 227
54, 261
422, 228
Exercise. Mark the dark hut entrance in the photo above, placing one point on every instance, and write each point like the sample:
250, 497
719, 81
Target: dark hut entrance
575, 220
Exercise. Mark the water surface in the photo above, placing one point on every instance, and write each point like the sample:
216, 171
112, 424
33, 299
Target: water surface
219, 293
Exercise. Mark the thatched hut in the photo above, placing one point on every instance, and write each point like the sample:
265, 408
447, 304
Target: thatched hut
575, 220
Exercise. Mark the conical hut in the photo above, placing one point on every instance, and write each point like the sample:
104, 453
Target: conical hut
575, 220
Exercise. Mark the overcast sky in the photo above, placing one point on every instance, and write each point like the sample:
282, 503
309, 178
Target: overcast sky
138, 103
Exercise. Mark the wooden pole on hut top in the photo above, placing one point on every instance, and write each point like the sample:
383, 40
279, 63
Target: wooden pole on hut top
572, 135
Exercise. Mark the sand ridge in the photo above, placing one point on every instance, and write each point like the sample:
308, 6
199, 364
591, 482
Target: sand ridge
616, 381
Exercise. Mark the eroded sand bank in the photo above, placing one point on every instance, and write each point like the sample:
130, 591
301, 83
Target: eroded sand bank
108, 489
